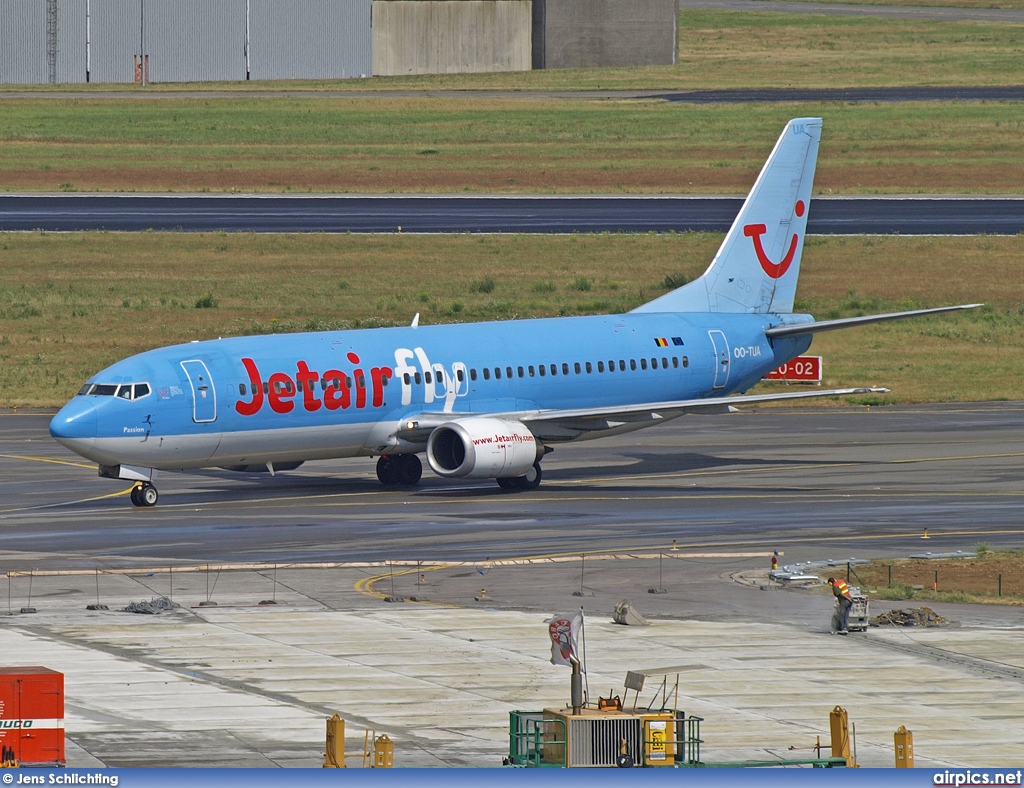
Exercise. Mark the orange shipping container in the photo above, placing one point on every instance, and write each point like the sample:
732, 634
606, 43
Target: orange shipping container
32, 714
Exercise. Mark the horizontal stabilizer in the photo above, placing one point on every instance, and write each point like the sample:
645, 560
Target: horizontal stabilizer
849, 322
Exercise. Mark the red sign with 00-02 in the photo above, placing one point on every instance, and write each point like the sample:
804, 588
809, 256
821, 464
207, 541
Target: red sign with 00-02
803, 369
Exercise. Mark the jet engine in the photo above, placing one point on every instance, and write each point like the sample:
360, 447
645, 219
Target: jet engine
482, 448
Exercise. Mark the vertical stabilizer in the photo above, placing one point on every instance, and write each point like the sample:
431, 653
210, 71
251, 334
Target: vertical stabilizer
758, 264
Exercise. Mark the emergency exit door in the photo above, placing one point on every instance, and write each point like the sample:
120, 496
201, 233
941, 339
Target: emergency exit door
204, 396
721, 347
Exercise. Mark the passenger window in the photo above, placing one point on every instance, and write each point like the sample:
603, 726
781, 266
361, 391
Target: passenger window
643, 363
508, 373
632, 365
299, 386
541, 370
427, 377
664, 363
565, 369
622, 365
520, 370
675, 363
654, 363
141, 390
361, 381
576, 367
406, 379
686, 361
418, 379
241, 389
554, 369
460, 374
530, 370
497, 373
600, 366
266, 387
487, 374
590, 369
472, 374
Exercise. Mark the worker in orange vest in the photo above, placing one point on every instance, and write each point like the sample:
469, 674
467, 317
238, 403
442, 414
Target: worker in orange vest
842, 593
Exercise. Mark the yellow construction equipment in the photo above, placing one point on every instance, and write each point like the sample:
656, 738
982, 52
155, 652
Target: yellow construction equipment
839, 724
334, 757
383, 752
904, 744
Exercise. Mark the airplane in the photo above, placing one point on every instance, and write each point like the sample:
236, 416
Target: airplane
480, 400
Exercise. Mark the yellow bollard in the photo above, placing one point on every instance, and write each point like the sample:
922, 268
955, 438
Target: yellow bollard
383, 752
839, 724
904, 742
334, 758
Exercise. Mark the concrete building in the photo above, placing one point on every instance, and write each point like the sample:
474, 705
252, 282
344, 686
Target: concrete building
590, 33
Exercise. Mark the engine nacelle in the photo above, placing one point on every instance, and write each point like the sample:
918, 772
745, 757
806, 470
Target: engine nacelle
482, 448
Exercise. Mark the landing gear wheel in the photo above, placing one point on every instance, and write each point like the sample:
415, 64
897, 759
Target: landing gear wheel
149, 495
387, 470
529, 481
409, 470
145, 495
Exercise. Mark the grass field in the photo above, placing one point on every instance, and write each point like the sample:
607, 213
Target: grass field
71, 304
492, 145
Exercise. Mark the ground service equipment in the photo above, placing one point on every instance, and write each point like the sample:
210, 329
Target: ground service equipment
32, 715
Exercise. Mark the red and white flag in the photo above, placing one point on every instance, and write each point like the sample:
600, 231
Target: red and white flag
564, 631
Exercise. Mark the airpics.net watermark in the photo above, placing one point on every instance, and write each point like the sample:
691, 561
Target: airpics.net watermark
969, 777
61, 778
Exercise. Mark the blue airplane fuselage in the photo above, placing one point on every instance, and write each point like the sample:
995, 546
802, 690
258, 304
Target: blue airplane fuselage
296, 397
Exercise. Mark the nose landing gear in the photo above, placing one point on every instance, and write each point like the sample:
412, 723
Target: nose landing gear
144, 495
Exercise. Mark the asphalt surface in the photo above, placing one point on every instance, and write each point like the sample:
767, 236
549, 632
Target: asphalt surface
844, 481
495, 214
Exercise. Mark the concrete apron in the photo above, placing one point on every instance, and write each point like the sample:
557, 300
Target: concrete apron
251, 686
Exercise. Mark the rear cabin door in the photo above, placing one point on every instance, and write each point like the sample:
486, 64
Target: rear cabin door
204, 396
721, 357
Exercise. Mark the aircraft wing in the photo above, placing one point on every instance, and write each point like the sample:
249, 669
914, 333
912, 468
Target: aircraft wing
849, 322
570, 424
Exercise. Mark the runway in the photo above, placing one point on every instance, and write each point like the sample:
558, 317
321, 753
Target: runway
840, 481
494, 214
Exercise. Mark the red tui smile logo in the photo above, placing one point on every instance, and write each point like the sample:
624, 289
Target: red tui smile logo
755, 231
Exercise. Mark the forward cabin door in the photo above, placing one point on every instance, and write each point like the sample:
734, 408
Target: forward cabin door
204, 396
721, 347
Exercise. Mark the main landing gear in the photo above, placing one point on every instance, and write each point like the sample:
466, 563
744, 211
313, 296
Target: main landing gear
144, 494
400, 469
529, 481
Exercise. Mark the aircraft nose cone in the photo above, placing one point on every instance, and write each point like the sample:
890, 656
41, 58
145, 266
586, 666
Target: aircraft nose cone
74, 425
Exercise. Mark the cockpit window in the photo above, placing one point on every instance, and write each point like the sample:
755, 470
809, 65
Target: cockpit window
128, 391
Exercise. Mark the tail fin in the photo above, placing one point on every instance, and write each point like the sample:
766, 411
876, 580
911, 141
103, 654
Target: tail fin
758, 264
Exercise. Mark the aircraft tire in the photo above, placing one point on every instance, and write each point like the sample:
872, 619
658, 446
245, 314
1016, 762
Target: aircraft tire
387, 470
530, 481
408, 470
136, 500
148, 495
